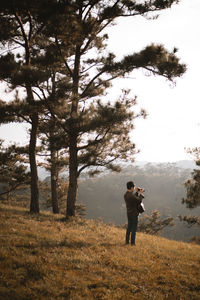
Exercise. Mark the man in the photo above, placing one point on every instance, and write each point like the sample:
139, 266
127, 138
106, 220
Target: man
132, 201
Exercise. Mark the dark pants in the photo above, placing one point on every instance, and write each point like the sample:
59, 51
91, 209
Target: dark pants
131, 229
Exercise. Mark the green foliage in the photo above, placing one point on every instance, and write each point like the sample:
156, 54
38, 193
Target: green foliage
111, 125
29, 75
8, 66
62, 188
155, 59
147, 6
13, 173
193, 190
191, 220
131, 8
62, 62
192, 199
154, 224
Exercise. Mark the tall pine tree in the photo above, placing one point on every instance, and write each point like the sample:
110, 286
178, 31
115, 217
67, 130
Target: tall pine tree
97, 130
19, 39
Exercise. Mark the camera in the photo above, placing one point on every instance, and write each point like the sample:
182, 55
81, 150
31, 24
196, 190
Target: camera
141, 190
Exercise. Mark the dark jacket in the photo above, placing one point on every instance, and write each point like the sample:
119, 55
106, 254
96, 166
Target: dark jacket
132, 201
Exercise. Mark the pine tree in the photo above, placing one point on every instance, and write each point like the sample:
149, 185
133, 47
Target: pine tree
13, 171
37, 73
51, 137
154, 224
192, 186
19, 39
96, 129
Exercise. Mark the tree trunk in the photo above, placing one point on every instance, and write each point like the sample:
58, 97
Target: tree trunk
27, 36
34, 205
73, 136
54, 178
8, 198
73, 177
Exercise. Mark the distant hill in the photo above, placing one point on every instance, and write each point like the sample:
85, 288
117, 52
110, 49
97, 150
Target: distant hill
42, 173
185, 164
45, 257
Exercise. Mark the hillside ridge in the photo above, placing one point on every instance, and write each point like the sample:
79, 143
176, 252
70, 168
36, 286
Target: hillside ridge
45, 257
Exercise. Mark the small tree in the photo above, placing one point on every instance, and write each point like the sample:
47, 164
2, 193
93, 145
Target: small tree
154, 224
13, 173
192, 199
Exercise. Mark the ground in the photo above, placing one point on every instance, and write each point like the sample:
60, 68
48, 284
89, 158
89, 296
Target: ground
46, 257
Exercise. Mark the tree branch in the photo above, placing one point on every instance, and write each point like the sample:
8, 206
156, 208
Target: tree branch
13, 188
94, 163
30, 27
95, 141
155, 72
24, 36
66, 64
24, 118
90, 83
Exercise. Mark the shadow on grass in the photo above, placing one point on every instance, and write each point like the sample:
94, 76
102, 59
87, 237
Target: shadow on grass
47, 244
111, 245
43, 216
75, 244
13, 210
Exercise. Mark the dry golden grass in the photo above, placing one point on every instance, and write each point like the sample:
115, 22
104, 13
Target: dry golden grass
44, 257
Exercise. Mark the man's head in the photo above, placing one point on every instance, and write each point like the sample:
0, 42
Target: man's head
130, 185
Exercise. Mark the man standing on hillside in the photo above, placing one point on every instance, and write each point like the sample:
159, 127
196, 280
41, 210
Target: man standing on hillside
132, 201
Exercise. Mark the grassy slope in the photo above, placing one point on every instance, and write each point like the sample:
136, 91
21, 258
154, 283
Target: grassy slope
43, 257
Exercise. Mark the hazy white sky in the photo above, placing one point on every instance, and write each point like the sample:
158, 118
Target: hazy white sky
173, 121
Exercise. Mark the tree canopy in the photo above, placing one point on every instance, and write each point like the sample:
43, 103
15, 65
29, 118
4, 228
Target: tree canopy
56, 51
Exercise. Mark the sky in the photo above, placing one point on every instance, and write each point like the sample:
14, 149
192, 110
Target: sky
173, 121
